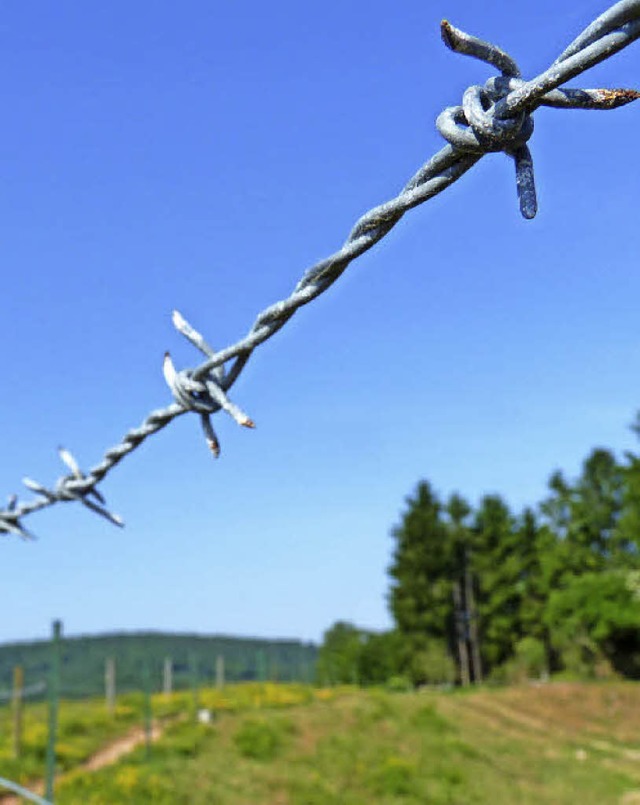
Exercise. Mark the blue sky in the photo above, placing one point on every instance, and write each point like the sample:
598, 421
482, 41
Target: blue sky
201, 156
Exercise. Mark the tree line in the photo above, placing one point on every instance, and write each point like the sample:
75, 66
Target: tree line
137, 653
486, 593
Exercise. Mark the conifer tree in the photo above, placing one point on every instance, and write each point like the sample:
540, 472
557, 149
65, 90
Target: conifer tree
498, 567
420, 597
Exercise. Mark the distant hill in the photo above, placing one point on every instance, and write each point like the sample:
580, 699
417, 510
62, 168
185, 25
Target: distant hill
83, 660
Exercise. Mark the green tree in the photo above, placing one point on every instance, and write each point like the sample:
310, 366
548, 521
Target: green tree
420, 597
585, 516
557, 507
538, 551
528, 583
596, 509
534, 542
594, 619
382, 656
626, 538
498, 566
339, 655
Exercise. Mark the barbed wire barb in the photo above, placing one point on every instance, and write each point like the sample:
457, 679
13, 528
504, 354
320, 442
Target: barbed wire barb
497, 116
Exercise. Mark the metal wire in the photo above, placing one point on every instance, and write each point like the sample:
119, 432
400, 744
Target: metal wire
23, 792
24, 693
493, 117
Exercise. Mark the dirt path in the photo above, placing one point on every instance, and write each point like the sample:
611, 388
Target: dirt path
106, 756
112, 752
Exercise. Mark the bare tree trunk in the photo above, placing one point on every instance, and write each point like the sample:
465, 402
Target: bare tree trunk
473, 625
459, 618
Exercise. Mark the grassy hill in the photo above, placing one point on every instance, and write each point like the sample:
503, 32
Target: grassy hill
83, 660
558, 743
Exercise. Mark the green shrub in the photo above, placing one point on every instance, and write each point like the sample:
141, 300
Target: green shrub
185, 739
428, 719
398, 684
396, 776
433, 665
531, 656
76, 727
259, 740
529, 662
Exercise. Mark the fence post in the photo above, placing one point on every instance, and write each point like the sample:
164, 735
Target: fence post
167, 676
110, 684
148, 713
220, 671
54, 693
193, 678
18, 685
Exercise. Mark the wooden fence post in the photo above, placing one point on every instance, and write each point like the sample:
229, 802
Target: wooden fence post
54, 694
18, 686
220, 671
167, 676
148, 712
110, 684
193, 677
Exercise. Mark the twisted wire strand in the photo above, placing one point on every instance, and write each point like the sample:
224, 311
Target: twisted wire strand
21, 791
493, 117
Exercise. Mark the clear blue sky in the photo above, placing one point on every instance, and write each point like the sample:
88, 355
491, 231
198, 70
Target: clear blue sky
200, 156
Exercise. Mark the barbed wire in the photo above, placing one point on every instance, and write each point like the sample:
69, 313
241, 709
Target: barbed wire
24, 692
21, 791
494, 117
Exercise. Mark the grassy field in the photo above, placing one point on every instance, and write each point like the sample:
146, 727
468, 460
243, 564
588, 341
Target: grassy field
84, 726
557, 743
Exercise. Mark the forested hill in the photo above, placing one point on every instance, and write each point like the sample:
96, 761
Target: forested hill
83, 660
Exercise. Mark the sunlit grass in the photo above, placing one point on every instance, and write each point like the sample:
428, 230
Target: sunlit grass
362, 747
86, 726
280, 744
83, 727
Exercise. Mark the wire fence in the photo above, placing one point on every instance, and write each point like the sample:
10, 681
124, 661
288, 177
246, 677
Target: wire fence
27, 692
75, 732
494, 117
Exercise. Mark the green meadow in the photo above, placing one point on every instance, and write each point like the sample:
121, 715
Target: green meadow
555, 743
